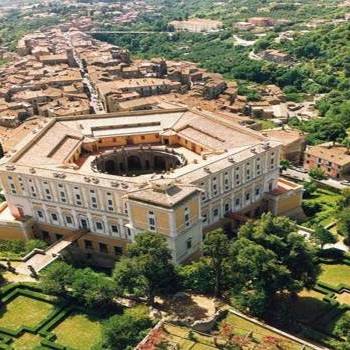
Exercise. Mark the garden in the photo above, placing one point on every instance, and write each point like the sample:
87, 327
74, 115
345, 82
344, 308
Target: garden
232, 329
32, 320
321, 207
323, 309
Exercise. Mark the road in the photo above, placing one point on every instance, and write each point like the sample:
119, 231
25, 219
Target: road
302, 176
95, 101
242, 42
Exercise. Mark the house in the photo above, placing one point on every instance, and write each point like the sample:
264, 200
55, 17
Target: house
334, 160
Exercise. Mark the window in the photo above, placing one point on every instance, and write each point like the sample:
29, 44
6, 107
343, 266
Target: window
88, 244
216, 212
54, 217
69, 220
118, 251
257, 191
114, 229
227, 207
189, 243
205, 218
237, 202
247, 196
99, 226
40, 215
151, 221
63, 196
33, 191
187, 217
103, 248
58, 237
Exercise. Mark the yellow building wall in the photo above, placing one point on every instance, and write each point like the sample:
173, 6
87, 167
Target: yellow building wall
288, 202
139, 216
193, 207
12, 232
95, 239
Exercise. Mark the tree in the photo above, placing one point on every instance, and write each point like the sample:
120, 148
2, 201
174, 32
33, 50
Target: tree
122, 332
345, 201
344, 224
91, 288
198, 276
317, 174
323, 236
216, 248
310, 188
257, 275
333, 131
278, 235
147, 269
284, 165
342, 327
57, 278
346, 143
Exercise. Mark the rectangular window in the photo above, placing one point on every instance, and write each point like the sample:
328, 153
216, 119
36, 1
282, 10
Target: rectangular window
99, 226
216, 212
118, 251
189, 243
69, 220
114, 229
88, 244
103, 248
54, 217
187, 217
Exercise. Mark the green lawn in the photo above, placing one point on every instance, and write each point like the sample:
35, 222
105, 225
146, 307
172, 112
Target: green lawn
24, 311
78, 331
328, 201
335, 274
26, 341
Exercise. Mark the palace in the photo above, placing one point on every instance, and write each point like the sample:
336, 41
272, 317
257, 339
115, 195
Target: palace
178, 172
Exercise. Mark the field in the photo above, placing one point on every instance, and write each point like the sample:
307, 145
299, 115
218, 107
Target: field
335, 274
24, 311
78, 331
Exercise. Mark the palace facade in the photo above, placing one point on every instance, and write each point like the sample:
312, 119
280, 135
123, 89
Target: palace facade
178, 172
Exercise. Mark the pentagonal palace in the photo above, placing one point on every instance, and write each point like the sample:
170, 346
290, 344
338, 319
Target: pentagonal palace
178, 172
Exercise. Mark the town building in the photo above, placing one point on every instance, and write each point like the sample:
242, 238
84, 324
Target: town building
196, 25
261, 21
293, 143
178, 172
275, 56
334, 160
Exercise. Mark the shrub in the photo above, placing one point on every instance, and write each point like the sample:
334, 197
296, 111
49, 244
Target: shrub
331, 254
317, 174
124, 332
311, 208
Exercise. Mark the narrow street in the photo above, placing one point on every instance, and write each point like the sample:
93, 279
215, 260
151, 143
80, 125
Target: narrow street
95, 102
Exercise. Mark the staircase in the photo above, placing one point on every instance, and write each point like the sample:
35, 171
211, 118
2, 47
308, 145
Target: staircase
38, 259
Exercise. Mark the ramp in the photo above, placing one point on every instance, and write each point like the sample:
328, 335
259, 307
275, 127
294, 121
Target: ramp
38, 259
